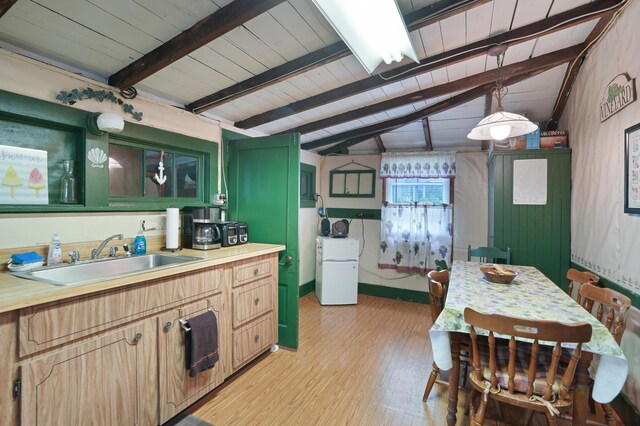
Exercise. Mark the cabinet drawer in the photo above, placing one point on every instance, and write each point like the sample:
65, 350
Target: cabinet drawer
252, 271
252, 339
252, 300
46, 326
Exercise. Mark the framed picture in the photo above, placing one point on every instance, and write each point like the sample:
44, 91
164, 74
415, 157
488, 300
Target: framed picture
632, 169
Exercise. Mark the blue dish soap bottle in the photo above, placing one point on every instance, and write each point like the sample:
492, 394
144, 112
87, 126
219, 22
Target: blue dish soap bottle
140, 243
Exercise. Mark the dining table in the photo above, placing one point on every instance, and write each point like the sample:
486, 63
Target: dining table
530, 295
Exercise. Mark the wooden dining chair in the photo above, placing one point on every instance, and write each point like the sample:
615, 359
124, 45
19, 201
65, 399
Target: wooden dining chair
437, 295
490, 254
526, 375
609, 307
579, 278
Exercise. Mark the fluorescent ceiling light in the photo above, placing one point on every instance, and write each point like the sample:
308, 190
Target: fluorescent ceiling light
373, 29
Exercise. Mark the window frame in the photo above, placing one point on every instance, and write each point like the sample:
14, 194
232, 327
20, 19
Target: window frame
93, 180
310, 171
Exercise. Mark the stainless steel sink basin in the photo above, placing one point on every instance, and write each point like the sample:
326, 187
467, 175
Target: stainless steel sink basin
106, 268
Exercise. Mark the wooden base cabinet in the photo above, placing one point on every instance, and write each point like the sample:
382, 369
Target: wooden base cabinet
178, 389
104, 381
117, 357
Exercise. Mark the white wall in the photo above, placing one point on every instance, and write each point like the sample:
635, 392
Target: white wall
308, 220
28, 77
603, 238
470, 214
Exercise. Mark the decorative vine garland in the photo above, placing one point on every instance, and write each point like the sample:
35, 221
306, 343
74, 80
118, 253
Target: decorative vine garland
76, 95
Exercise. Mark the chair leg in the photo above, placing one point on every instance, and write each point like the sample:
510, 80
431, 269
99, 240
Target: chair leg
499, 410
479, 418
551, 419
608, 415
432, 379
528, 415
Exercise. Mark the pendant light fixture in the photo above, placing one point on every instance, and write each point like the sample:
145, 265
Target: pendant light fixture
374, 30
501, 124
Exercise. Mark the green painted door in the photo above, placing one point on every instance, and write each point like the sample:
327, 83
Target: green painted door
264, 191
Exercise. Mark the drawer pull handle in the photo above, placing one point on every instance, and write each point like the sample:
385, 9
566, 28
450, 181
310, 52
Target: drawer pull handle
256, 271
257, 300
137, 337
256, 338
168, 325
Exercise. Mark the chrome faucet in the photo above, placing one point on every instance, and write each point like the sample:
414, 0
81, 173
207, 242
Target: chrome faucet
96, 252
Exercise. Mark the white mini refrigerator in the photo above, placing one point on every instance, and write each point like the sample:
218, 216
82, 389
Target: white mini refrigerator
337, 270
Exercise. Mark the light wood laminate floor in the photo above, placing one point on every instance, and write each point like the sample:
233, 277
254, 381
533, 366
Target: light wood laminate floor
365, 364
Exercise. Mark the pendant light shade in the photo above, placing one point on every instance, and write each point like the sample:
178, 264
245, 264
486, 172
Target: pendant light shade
374, 30
501, 124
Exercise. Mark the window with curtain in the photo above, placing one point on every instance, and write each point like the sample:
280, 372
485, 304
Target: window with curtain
417, 216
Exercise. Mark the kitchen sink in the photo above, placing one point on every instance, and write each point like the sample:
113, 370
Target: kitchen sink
106, 268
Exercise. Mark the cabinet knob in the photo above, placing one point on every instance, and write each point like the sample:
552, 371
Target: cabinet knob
256, 338
256, 271
257, 300
137, 337
168, 325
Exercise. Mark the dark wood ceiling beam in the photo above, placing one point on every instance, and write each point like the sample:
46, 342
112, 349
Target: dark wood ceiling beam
5, 5
415, 20
355, 136
204, 31
572, 72
488, 101
427, 134
379, 144
537, 29
539, 62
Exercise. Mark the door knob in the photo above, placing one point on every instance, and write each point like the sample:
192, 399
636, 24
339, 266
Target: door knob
287, 261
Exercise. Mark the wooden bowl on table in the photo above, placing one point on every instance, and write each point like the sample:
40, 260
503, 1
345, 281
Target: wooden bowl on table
492, 275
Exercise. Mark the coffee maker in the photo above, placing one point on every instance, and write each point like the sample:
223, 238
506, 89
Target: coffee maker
198, 228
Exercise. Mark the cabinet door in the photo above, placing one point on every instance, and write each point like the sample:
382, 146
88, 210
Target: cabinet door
104, 381
178, 390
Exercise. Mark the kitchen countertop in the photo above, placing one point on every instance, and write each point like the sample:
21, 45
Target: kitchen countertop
16, 293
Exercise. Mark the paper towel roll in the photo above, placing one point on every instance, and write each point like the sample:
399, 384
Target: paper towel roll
173, 228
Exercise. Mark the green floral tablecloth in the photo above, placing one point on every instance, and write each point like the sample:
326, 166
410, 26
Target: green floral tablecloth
531, 295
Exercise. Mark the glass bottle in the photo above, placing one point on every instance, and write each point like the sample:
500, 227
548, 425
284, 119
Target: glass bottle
68, 184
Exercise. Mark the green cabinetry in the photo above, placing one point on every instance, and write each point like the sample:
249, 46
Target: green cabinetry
538, 235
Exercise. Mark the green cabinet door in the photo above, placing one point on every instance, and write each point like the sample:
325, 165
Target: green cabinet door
264, 190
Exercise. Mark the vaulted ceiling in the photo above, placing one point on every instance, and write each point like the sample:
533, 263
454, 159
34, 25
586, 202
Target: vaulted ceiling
277, 66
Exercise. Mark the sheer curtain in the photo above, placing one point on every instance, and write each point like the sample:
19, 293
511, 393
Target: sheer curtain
413, 236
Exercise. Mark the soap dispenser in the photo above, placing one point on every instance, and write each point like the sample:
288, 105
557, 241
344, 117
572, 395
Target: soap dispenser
140, 243
55, 251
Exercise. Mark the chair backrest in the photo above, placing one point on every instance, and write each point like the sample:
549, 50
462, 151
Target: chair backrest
610, 307
490, 254
437, 291
579, 277
550, 331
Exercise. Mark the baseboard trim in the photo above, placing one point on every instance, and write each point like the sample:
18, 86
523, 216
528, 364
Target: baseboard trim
394, 293
307, 288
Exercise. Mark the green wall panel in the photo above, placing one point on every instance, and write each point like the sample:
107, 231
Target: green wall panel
537, 235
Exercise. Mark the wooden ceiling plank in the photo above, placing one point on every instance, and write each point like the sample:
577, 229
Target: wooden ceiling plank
5, 5
427, 134
572, 73
204, 31
379, 144
417, 19
542, 61
358, 135
549, 25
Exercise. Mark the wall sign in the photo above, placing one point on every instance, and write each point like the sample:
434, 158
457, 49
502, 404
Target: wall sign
619, 93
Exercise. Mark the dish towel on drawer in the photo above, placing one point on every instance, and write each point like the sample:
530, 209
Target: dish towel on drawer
201, 343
